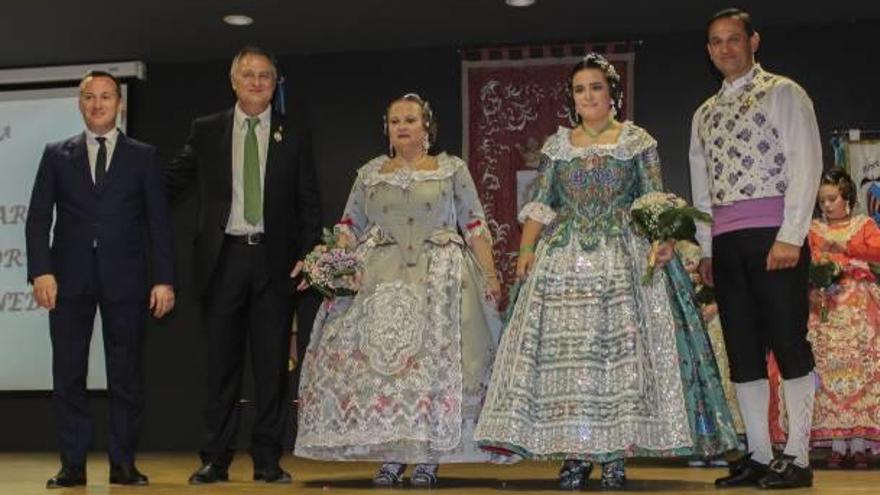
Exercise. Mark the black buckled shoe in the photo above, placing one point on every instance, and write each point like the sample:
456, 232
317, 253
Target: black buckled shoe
209, 473
743, 472
424, 476
574, 474
613, 475
127, 474
68, 476
273, 474
784, 473
389, 474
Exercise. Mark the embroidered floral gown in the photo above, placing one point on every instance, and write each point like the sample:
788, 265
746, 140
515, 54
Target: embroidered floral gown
847, 345
398, 372
593, 364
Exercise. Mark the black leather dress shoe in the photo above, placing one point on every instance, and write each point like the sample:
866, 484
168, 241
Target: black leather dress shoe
744, 472
127, 474
67, 476
784, 473
209, 473
273, 474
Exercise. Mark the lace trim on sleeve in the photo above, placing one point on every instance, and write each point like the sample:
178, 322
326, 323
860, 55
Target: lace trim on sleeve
538, 212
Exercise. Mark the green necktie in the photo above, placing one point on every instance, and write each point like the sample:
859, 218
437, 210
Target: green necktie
253, 198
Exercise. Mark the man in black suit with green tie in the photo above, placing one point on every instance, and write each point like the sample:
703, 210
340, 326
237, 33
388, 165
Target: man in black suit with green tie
259, 213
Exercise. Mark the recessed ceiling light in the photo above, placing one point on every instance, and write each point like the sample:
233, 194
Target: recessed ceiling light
519, 3
238, 20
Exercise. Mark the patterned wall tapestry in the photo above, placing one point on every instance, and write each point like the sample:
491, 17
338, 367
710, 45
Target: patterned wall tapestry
513, 98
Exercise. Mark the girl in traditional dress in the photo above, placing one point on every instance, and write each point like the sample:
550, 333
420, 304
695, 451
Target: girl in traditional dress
844, 327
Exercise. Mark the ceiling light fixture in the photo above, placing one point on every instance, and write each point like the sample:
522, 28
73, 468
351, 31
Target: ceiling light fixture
519, 3
238, 20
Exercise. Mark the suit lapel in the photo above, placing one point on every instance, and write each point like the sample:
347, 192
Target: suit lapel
79, 157
274, 155
116, 162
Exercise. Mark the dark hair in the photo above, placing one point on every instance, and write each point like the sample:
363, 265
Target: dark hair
600, 63
838, 177
428, 120
253, 50
105, 74
733, 13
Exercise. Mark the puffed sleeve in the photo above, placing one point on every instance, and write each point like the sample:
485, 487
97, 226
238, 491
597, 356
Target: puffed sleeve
544, 198
865, 244
354, 218
650, 176
469, 211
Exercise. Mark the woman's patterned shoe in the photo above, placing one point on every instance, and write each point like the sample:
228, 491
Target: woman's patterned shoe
424, 476
574, 473
613, 475
390, 474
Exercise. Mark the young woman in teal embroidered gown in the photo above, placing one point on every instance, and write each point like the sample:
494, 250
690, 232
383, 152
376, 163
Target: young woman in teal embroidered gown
594, 366
398, 372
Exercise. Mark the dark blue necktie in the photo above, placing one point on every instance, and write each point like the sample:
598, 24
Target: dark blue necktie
101, 162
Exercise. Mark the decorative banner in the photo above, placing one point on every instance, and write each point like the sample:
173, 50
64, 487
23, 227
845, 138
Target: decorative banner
513, 99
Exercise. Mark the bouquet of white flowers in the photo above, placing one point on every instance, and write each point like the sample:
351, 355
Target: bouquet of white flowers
661, 217
331, 269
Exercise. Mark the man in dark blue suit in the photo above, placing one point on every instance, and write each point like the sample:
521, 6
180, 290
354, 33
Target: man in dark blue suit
106, 192
259, 212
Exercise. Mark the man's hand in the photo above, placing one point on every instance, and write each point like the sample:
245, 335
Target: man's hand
161, 300
782, 256
46, 291
297, 269
705, 269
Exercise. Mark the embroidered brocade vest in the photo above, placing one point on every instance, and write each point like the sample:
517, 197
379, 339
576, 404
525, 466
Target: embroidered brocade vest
743, 153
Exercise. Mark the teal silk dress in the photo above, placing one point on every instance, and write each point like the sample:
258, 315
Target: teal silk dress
592, 363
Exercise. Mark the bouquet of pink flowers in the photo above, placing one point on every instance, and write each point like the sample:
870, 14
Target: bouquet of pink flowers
331, 269
661, 217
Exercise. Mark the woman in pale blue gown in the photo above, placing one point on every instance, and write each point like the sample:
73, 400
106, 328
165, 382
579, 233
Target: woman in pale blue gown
593, 365
398, 372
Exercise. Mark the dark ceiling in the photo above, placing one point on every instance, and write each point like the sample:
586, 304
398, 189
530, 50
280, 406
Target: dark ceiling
49, 32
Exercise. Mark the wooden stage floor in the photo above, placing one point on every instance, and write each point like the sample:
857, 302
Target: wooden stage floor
26, 474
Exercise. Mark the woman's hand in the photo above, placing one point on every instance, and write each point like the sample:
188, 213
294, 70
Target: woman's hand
816, 298
493, 288
663, 253
345, 240
524, 264
834, 247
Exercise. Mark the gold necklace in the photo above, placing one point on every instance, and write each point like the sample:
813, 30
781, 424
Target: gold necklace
595, 134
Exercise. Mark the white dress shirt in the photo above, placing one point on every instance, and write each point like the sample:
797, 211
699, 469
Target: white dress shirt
790, 110
237, 225
92, 148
